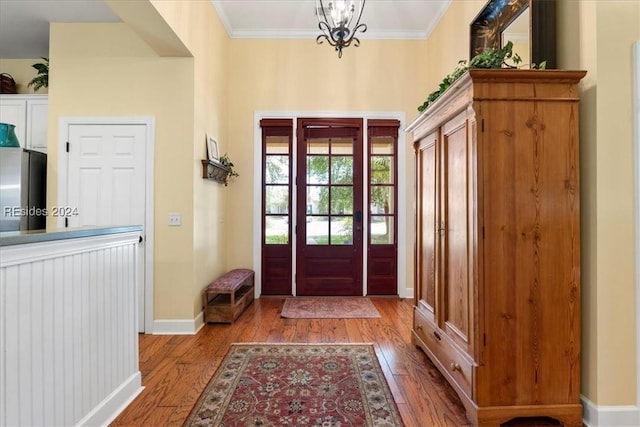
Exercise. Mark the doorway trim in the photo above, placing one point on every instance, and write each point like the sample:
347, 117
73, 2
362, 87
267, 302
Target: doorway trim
403, 292
149, 122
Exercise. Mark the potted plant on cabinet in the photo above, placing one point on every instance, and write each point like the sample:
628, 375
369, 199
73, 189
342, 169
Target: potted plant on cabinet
490, 58
42, 78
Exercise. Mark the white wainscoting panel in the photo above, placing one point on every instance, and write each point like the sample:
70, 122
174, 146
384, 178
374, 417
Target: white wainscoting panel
68, 339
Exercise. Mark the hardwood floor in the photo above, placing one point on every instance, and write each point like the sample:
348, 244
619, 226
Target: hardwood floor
175, 369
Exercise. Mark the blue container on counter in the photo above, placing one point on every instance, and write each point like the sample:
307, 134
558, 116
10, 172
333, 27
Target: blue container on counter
8, 136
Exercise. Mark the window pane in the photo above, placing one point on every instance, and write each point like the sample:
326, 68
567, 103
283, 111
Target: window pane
341, 231
382, 200
382, 230
382, 145
317, 200
343, 146
277, 145
318, 146
276, 230
341, 200
342, 170
382, 170
277, 169
317, 230
277, 199
317, 169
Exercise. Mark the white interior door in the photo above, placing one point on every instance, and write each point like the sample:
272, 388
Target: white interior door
106, 170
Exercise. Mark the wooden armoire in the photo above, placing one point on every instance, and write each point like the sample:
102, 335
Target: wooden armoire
497, 259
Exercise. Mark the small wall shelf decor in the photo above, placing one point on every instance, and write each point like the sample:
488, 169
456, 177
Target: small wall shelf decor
212, 148
215, 171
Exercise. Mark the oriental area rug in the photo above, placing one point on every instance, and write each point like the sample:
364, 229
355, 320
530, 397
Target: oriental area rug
286, 385
328, 308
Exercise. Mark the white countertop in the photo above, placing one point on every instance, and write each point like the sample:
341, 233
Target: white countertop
9, 238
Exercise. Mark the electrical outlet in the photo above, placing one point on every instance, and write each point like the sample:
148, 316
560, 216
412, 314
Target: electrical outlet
175, 219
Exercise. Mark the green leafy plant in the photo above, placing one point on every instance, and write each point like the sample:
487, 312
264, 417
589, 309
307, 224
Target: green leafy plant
444, 85
226, 162
490, 58
42, 78
496, 58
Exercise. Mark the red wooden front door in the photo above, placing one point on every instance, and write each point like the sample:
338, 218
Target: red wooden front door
329, 207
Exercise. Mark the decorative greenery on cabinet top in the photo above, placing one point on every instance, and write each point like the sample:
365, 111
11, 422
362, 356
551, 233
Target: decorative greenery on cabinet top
42, 78
490, 58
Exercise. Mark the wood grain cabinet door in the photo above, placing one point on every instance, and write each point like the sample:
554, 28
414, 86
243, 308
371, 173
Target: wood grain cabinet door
455, 231
426, 177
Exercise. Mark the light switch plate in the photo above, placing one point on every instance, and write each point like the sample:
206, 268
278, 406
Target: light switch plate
175, 219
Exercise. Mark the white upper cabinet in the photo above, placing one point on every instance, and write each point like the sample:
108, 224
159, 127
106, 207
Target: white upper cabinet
29, 115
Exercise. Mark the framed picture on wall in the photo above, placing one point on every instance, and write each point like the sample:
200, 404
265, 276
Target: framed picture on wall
212, 149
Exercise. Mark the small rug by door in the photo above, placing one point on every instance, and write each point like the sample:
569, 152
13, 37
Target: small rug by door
297, 385
328, 308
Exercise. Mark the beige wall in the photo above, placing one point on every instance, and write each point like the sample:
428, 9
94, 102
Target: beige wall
118, 70
617, 27
115, 69
299, 75
449, 42
598, 37
198, 27
22, 72
106, 70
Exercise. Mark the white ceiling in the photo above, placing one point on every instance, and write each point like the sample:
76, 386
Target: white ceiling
385, 19
24, 24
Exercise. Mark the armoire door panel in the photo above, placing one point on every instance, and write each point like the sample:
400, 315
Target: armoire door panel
455, 211
427, 221
540, 225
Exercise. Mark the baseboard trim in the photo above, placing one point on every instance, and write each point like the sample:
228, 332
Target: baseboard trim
406, 293
609, 416
179, 327
115, 403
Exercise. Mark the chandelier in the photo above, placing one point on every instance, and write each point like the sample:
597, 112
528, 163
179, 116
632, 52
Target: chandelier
339, 20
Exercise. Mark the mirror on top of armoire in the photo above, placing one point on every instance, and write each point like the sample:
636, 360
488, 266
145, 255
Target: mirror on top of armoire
529, 24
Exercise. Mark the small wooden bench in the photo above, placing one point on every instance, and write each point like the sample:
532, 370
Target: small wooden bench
226, 297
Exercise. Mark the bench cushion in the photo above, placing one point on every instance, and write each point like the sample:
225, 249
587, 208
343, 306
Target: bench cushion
231, 281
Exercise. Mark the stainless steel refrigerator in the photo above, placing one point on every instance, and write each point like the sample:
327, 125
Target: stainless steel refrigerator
23, 189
